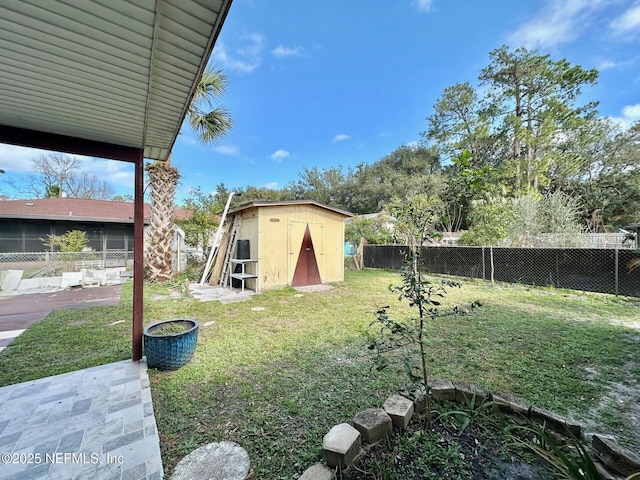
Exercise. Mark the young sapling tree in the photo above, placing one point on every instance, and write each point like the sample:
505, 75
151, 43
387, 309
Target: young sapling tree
405, 339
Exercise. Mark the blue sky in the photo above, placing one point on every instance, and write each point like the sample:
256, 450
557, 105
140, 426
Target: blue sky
345, 82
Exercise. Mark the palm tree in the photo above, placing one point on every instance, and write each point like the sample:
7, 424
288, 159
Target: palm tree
163, 177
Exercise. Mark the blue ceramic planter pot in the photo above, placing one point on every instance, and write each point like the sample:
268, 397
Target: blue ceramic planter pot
170, 351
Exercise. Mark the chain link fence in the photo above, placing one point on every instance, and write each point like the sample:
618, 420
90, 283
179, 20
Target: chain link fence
614, 271
49, 264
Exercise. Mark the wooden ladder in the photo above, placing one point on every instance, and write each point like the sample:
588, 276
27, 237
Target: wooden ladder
226, 267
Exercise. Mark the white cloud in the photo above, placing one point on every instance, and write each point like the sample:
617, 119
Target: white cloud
606, 65
111, 171
244, 58
281, 51
632, 111
17, 163
227, 149
341, 137
630, 115
191, 140
628, 22
279, 155
18, 159
423, 5
187, 139
271, 185
560, 21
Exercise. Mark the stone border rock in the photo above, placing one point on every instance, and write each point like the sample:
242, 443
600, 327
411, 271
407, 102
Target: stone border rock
217, 460
342, 445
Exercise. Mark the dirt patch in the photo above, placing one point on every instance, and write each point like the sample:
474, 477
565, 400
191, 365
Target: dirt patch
173, 295
315, 288
621, 402
480, 451
626, 323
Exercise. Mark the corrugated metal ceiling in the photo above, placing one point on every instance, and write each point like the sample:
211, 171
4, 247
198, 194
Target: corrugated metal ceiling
114, 71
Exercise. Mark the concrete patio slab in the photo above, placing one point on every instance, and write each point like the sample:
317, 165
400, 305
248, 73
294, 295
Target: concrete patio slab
209, 293
19, 312
321, 287
96, 423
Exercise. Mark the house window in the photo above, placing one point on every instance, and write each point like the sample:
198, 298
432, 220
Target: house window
94, 237
11, 236
35, 234
130, 242
116, 238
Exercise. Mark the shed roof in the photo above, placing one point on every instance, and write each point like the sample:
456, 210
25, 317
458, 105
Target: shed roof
266, 204
117, 74
75, 209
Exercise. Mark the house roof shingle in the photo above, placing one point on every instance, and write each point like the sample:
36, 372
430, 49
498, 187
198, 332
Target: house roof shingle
76, 209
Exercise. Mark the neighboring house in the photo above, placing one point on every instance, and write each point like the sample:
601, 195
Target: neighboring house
635, 228
24, 224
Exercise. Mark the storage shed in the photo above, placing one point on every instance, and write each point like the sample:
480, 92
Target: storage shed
293, 243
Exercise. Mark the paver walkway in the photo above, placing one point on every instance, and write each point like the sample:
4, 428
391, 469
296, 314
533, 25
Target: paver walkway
96, 423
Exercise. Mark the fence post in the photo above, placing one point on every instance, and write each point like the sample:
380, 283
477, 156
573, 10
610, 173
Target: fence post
484, 275
492, 270
616, 270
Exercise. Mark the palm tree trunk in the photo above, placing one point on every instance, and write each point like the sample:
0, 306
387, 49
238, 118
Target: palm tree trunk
163, 179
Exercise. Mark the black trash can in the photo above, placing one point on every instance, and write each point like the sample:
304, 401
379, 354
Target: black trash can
243, 252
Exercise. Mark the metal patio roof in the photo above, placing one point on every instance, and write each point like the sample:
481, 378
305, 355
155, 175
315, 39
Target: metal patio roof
117, 72
105, 78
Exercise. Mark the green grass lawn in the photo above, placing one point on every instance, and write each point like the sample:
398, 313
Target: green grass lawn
275, 380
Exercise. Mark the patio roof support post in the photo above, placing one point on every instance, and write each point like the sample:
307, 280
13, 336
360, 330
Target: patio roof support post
138, 260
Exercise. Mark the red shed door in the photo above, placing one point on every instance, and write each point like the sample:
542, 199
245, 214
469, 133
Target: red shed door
306, 272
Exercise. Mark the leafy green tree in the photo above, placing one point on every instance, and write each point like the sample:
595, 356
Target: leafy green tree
490, 219
561, 214
53, 191
464, 184
251, 193
605, 174
412, 169
203, 218
205, 210
526, 221
321, 185
459, 124
71, 241
406, 339
122, 198
374, 230
535, 100
415, 219
519, 221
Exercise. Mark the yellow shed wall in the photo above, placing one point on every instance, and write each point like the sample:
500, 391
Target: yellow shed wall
275, 235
